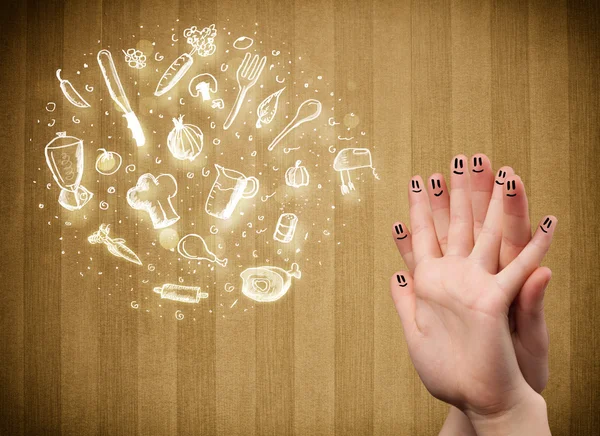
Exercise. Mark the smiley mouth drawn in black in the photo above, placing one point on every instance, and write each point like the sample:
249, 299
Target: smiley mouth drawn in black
439, 185
547, 223
415, 186
401, 280
458, 163
475, 161
508, 188
399, 231
501, 174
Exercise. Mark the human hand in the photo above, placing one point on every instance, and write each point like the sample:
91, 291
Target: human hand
509, 216
457, 298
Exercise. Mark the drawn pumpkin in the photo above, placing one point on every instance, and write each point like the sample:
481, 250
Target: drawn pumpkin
297, 176
185, 140
108, 162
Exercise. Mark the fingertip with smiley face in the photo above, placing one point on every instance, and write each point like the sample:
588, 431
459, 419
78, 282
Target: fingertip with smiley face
548, 224
513, 186
437, 185
416, 185
480, 163
400, 231
502, 174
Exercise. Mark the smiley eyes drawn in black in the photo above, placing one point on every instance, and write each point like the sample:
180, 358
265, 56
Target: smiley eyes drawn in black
458, 163
477, 161
415, 186
439, 185
399, 231
501, 174
547, 223
401, 280
508, 188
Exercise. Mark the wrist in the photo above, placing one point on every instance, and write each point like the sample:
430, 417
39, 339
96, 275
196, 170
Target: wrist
528, 415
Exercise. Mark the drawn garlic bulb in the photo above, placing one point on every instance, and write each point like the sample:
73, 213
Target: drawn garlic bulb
268, 283
185, 140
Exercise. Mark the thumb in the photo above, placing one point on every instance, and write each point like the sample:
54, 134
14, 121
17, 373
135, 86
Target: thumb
529, 313
401, 288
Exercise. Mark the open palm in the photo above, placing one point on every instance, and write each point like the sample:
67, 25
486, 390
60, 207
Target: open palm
455, 310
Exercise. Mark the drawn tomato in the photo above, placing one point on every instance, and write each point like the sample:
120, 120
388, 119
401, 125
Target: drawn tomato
108, 162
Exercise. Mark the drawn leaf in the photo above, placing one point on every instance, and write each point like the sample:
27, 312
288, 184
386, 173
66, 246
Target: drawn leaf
268, 108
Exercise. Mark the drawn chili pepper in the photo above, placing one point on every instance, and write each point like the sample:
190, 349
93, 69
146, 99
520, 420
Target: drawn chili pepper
71, 93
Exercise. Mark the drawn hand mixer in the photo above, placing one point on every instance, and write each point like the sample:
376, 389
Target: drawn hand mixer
352, 159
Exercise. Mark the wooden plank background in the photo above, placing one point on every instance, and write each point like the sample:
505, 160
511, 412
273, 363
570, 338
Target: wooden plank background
517, 80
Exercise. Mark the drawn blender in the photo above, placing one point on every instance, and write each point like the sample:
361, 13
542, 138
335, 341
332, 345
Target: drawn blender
352, 159
247, 74
307, 111
64, 157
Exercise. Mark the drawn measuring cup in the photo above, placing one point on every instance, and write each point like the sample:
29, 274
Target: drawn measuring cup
228, 189
64, 156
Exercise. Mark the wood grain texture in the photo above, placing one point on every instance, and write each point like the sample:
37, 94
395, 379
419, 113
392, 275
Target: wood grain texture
517, 80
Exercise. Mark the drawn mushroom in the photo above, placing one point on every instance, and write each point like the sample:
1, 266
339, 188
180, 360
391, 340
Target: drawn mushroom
203, 84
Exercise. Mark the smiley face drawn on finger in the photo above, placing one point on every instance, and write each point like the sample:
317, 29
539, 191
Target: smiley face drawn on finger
401, 280
477, 162
547, 223
458, 166
437, 182
399, 231
512, 187
416, 188
501, 176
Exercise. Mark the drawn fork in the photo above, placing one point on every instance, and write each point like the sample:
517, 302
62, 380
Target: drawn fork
247, 75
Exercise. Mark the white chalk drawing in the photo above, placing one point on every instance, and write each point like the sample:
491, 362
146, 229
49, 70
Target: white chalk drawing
228, 189
268, 108
307, 111
183, 294
71, 93
153, 195
75, 119
275, 52
268, 283
116, 246
89, 88
279, 81
185, 141
202, 42
158, 57
286, 227
351, 159
243, 43
200, 251
135, 58
51, 106
247, 75
297, 176
217, 103
203, 84
331, 121
108, 162
117, 93
52, 123
130, 168
64, 156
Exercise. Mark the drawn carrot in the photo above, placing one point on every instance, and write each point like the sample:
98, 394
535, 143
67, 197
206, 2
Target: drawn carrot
202, 42
71, 93
116, 246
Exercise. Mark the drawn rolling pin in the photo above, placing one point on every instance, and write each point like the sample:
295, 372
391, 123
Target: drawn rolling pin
184, 294
117, 93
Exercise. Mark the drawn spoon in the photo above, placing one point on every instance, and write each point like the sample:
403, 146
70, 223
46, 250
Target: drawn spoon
308, 110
